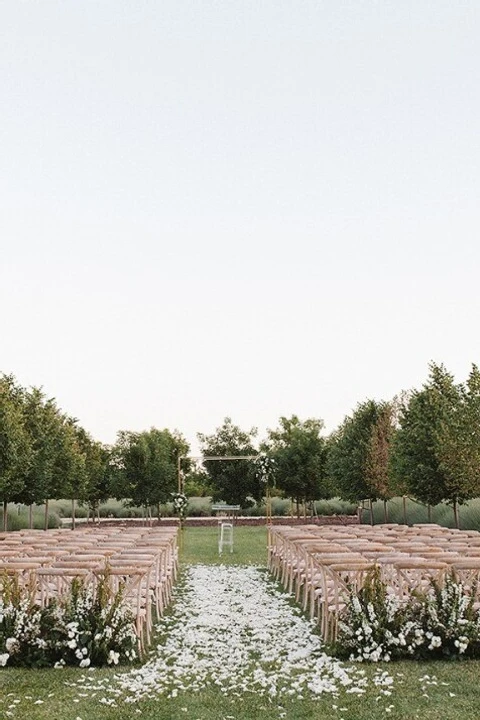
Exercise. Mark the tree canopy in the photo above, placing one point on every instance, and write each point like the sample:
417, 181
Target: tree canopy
144, 465
358, 453
437, 446
233, 481
299, 454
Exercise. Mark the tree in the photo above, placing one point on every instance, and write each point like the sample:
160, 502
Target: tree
357, 453
197, 482
377, 461
41, 421
437, 448
97, 456
15, 447
145, 465
235, 482
299, 454
423, 422
459, 443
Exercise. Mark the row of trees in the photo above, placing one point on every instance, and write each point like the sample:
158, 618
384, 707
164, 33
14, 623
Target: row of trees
425, 444
46, 454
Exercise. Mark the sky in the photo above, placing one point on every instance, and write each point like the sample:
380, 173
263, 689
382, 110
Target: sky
247, 208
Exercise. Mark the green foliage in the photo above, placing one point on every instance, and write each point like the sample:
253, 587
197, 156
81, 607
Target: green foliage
15, 445
41, 423
20, 520
197, 483
144, 465
443, 622
233, 481
86, 627
299, 455
459, 442
437, 447
97, 470
358, 453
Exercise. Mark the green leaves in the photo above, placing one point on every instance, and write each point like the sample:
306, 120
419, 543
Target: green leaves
144, 465
233, 481
299, 453
437, 447
359, 452
15, 443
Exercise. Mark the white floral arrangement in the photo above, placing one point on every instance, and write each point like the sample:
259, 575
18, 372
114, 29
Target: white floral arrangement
375, 626
265, 469
180, 504
88, 627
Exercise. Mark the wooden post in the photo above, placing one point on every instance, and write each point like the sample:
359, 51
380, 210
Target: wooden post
429, 513
73, 513
371, 512
385, 511
268, 506
30, 517
405, 510
5, 506
179, 475
45, 527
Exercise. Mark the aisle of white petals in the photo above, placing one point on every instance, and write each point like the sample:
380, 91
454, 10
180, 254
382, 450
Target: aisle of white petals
231, 628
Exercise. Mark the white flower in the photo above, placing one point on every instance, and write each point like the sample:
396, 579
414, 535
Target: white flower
84, 663
435, 642
11, 644
4, 659
113, 657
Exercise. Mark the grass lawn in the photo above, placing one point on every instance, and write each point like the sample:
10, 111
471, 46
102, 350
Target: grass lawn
450, 691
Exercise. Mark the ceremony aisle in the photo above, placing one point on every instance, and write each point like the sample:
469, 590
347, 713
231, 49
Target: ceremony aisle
232, 629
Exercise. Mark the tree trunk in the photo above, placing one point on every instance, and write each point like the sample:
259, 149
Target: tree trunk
73, 514
429, 512
405, 510
456, 513
5, 505
30, 517
45, 527
158, 512
371, 512
385, 511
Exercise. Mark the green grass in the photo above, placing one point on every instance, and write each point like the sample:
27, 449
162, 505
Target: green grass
200, 545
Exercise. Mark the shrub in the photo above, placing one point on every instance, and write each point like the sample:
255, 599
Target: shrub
88, 627
443, 622
19, 520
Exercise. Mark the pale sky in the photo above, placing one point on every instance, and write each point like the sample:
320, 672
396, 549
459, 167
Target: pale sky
249, 208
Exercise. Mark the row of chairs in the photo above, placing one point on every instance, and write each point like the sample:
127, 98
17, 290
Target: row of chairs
322, 564
144, 562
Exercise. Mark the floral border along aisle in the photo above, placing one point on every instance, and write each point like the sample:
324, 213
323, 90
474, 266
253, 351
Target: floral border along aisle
443, 623
87, 627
